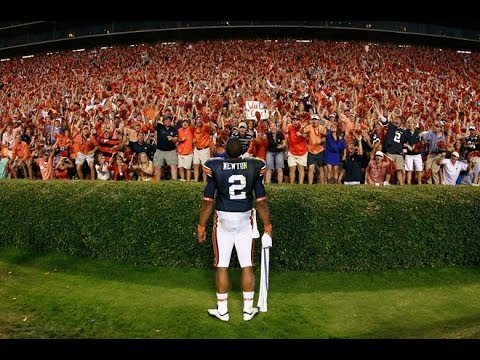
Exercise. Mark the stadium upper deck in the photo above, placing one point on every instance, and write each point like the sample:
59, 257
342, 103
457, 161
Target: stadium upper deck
17, 38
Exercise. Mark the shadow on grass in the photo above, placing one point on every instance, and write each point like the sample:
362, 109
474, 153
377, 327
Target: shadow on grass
281, 282
464, 328
308, 282
201, 279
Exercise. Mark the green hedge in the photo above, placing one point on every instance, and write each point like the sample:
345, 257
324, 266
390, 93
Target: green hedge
339, 228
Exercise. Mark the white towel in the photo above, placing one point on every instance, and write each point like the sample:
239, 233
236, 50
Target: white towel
264, 269
265, 263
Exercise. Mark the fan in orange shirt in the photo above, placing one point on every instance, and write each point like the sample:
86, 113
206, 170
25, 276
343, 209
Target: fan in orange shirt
258, 146
315, 158
201, 140
22, 157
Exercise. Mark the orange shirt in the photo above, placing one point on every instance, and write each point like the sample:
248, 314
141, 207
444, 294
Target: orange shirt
61, 174
185, 147
202, 136
260, 145
149, 113
348, 127
83, 145
297, 144
46, 168
65, 144
21, 150
315, 135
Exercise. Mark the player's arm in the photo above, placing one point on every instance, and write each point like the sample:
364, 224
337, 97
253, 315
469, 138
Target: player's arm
261, 201
264, 213
207, 205
205, 212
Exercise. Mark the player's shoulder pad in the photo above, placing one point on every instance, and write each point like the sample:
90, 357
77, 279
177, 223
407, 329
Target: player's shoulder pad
259, 164
212, 164
258, 161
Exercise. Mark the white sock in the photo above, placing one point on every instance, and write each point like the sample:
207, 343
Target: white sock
222, 303
248, 300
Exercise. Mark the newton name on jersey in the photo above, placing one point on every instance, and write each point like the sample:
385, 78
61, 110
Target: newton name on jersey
235, 166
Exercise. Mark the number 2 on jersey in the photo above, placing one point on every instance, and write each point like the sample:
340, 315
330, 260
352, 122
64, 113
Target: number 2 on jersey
397, 137
237, 187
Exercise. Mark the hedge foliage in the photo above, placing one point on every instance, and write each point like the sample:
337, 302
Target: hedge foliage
334, 227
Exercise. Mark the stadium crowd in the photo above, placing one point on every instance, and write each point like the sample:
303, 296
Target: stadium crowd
328, 112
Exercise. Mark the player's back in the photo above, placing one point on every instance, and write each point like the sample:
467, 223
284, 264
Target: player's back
235, 181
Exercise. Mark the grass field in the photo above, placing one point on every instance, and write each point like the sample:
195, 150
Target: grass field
61, 297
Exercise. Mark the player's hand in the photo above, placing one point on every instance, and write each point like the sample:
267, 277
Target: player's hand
266, 240
201, 234
267, 237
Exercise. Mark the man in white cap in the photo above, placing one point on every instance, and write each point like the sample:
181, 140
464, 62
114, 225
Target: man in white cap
377, 170
244, 137
452, 167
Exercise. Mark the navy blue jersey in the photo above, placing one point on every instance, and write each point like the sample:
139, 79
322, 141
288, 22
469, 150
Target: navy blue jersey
234, 183
472, 143
163, 143
394, 140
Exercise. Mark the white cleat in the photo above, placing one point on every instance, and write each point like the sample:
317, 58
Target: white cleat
247, 316
215, 313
